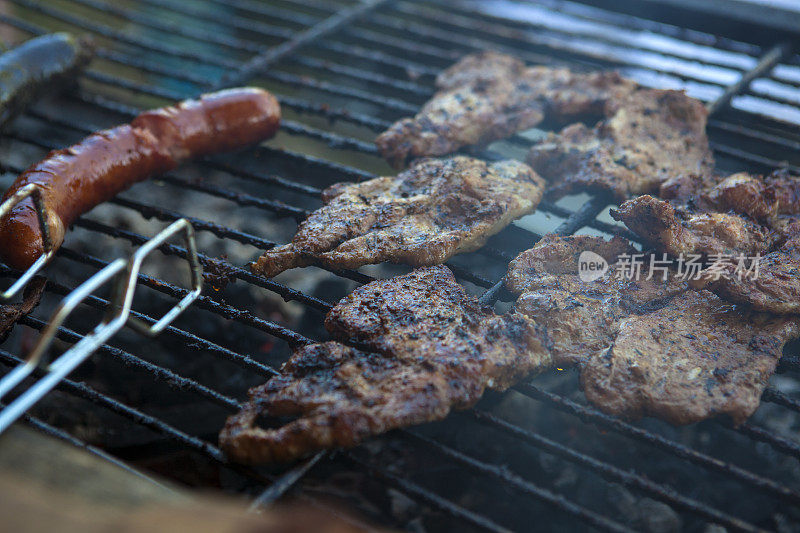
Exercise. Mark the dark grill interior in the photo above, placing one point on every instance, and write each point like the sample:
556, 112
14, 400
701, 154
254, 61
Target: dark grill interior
536, 458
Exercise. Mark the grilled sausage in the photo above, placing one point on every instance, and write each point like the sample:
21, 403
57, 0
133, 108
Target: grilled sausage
40, 64
75, 179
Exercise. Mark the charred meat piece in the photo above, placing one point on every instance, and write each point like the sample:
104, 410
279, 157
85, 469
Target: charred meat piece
11, 313
760, 198
647, 137
431, 348
428, 312
647, 347
688, 230
423, 216
742, 215
777, 287
489, 96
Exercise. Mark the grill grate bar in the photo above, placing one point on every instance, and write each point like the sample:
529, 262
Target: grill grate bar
53, 431
406, 87
779, 398
183, 30
759, 160
204, 302
339, 90
190, 339
161, 374
88, 393
294, 18
779, 443
589, 22
594, 416
282, 485
556, 500
378, 56
286, 15
116, 36
431, 498
612, 473
258, 64
580, 52
774, 56
588, 211
612, 229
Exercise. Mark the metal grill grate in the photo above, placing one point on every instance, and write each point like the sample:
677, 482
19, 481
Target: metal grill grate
344, 71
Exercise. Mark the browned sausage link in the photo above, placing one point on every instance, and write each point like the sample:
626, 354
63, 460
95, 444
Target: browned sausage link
76, 179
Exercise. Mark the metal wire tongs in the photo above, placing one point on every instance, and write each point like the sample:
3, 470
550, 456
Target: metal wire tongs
117, 316
33, 192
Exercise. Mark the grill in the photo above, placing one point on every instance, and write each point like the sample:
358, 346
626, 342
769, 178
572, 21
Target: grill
344, 71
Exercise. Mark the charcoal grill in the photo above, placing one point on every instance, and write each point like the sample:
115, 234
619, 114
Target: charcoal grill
535, 458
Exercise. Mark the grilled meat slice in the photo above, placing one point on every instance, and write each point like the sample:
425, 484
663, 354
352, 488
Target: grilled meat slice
12, 312
759, 198
577, 320
340, 396
423, 216
431, 348
489, 96
777, 287
428, 312
686, 230
740, 215
648, 137
647, 347
694, 358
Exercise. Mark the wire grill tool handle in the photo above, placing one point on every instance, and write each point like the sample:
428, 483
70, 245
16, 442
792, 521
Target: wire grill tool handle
34, 192
125, 276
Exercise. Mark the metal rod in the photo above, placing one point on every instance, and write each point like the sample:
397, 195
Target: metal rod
208, 304
774, 56
431, 498
592, 415
164, 375
285, 482
617, 475
508, 478
33, 192
88, 393
116, 36
588, 211
260, 63
53, 431
119, 315
189, 339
